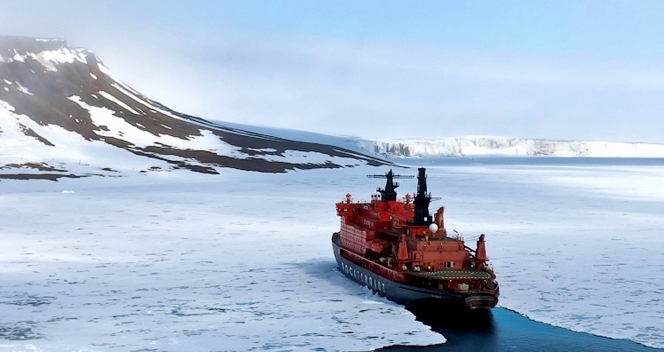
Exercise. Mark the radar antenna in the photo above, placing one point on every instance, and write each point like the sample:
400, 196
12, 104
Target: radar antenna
389, 192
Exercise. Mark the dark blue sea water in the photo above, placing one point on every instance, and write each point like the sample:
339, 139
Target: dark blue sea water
504, 330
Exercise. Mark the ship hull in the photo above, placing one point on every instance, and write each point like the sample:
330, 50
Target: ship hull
403, 293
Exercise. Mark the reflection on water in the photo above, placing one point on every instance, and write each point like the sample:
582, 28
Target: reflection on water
503, 330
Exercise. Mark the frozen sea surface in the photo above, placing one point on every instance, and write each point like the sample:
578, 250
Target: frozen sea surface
237, 262
574, 245
242, 261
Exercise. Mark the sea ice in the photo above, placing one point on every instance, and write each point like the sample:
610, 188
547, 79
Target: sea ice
574, 246
237, 262
242, 261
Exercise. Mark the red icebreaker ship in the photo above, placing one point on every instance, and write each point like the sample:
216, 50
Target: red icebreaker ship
397, 249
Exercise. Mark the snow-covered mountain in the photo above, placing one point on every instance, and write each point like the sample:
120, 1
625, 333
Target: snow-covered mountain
506, 146
64, 114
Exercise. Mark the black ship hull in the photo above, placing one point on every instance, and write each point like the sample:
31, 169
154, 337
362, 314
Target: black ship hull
403, 293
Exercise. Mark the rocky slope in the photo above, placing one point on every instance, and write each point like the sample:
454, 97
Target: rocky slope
63, 114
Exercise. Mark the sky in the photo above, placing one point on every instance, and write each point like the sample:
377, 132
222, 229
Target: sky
573, 70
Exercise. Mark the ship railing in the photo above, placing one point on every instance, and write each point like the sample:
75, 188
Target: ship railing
455, 235
476, 292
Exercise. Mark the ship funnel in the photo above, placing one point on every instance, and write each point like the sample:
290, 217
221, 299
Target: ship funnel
422, 200
480, 253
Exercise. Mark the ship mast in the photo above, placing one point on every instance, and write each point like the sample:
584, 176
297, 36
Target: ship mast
389, 193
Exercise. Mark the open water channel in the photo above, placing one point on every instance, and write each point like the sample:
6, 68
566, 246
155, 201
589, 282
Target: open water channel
504, 330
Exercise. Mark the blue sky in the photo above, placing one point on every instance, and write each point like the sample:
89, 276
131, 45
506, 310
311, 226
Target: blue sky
605, 27
590, 70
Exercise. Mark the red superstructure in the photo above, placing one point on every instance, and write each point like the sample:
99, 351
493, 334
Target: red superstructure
399, 250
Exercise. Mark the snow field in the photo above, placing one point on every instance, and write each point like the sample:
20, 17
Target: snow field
239, 262
577, 247
242, 261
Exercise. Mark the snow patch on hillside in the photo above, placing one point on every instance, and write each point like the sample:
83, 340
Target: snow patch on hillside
50, 59
69, 149
118, 127
115, 100
23, 89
